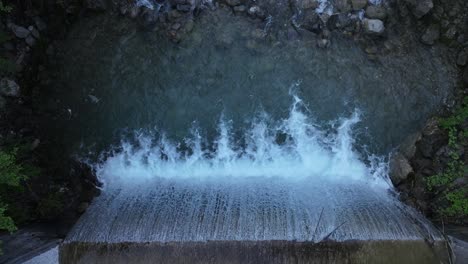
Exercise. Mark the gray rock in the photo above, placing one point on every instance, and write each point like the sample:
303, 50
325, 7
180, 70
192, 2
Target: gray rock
240, 9
9, 88
431, 128
462, 58
408, 147
308, 4
465, 76
323, 43
30, 40
184, 8
252, 11
233, 2
373, 26
400, 168
20, 32
98, 5
431, 35
134, 11
40, 24
34, 32
420, 8
344, 6
358, 4
376, 12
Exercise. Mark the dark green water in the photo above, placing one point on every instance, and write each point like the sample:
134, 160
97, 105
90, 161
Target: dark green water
114, 76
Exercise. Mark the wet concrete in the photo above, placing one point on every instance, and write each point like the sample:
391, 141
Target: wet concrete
258, 252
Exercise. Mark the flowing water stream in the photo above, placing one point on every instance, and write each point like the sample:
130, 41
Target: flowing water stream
239, 135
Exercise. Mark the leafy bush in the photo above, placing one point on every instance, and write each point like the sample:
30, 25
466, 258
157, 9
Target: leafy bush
11, 175
453, 198
5, 8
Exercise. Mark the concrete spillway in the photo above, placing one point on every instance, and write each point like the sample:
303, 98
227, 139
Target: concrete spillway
250, 220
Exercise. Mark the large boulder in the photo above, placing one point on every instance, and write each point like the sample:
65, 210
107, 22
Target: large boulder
400, 168
373, 26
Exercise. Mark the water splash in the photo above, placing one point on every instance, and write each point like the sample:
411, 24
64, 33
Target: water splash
294, 148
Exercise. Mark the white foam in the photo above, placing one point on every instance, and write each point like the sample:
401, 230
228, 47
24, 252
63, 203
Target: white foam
306, 152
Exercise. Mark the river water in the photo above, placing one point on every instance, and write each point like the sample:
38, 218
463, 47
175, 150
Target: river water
241, 134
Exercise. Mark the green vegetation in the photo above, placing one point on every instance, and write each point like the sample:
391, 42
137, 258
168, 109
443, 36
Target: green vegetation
5, 8
453, 199
11, 175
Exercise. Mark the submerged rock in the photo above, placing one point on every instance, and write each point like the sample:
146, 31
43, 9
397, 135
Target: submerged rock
373, 26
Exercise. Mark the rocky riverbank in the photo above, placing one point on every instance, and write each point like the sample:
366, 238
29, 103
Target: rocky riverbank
62, 188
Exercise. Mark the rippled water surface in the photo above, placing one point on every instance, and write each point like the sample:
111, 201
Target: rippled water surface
116, 77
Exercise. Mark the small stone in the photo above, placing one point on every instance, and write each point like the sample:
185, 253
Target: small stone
308, 4
252, 11
358, 4
174, 14
422, 7
134, 12
9, 88
465, 76
373, 26
40, 24
344, 6
20, 32
323, 43
97, 5
188, 27
176, 26
233, 2
371, 50
184, 8
30, 40
35, 144
400, 168
376, 12
123, 9
34, 31
240, 9
462, 58
431, 35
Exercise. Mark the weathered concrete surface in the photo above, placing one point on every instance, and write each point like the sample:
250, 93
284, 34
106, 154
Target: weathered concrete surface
258, 252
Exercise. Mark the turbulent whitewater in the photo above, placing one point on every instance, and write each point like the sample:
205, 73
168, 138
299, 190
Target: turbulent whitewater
294, 148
